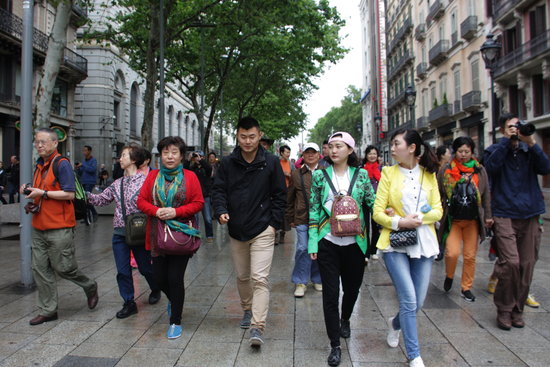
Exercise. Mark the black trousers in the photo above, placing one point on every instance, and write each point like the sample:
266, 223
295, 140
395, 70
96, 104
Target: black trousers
375, 234
339, 262
169, 271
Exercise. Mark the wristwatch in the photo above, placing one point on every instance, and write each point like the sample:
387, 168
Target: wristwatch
45, 194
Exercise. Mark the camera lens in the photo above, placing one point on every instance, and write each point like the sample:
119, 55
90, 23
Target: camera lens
526, 128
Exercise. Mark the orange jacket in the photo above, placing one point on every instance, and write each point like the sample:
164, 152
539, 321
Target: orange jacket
54, 214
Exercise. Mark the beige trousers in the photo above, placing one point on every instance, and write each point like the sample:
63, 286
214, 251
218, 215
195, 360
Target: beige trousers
252, 261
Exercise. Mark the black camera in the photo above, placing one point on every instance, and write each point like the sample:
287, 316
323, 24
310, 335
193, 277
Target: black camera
525, 128
26, 190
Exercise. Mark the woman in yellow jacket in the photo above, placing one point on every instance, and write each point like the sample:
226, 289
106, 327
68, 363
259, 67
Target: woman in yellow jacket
408, 198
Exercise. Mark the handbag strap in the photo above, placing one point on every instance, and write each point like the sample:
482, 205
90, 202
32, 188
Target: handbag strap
419, 191
122, 198
304, 190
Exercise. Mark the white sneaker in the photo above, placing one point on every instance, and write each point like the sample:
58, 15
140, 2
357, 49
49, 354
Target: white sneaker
417, 362
393, 335
300, 290
375, 257
318, 287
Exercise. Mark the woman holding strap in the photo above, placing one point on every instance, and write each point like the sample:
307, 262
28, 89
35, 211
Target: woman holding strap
171, 194
408, 198
128, 185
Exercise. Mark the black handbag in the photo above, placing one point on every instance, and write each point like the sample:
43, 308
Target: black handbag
406, 237
134, 224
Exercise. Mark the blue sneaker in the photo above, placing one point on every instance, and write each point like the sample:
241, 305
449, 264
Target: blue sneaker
169, 309
174, 331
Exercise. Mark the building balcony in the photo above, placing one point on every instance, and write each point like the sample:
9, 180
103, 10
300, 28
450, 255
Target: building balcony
471, 101
441, 114
457, 107
406, 59
436, 11
422, 70
401, 33
422, 123
454, 39
524, 56
392, 102
468, 28
420, 32
11, 29
438, 53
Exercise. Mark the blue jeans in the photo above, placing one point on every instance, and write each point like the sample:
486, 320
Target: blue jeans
305, 269
89, 188
207, 216
410, 278
121, 252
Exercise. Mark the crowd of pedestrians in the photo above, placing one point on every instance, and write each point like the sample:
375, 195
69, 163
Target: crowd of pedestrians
431, 204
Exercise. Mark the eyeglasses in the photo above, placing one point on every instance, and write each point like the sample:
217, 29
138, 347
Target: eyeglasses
40, 142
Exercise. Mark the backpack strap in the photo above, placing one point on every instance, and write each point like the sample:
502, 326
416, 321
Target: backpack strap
55, 165
329, 181
353, 179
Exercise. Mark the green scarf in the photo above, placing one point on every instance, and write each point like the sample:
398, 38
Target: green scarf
166, 196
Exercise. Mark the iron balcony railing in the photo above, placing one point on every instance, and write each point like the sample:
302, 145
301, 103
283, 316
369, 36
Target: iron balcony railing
420, 32
502, 7
471, 100
12, 25
404, 60
392, 102
535, 47
421, 70
438, 53
436, 11
457, 107
440, 113
468, 28
405, 28
454, 38
422, 122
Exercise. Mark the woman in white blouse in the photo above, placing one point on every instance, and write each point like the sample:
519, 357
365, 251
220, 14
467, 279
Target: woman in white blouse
408, 198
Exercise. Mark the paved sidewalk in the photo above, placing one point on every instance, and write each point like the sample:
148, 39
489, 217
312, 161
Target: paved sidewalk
453, 332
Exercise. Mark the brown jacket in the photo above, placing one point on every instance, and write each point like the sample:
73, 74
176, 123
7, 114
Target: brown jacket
484, 210
296, 209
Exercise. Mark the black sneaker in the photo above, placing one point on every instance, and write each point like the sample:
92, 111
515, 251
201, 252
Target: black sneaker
256, 338
129, 309
468, 296
448, 284
247, 317
335, 356
154, 297
345, 331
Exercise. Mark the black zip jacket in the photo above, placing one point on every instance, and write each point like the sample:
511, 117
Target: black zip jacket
253, 194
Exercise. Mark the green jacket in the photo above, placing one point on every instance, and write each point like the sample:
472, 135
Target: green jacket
319, 223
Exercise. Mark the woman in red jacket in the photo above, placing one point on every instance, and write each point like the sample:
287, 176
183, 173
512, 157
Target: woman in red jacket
373, 168
173, 195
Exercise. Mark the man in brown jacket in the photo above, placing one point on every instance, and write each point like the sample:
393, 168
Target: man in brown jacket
297, 214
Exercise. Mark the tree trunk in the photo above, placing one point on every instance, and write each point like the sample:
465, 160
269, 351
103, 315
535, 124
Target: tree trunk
150, 79
54, 57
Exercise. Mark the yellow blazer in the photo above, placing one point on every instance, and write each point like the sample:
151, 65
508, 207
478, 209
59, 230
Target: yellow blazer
389, 194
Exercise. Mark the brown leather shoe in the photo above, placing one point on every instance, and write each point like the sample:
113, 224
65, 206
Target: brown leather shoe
42, 319
504, 320
517, 320
93, 299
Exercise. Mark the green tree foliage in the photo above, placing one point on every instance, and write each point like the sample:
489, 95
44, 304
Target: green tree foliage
259, 56
346, 117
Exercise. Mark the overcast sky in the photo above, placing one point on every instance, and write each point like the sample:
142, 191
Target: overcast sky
333, 83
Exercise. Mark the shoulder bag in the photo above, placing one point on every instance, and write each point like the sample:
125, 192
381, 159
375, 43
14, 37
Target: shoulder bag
406, 237
135, 224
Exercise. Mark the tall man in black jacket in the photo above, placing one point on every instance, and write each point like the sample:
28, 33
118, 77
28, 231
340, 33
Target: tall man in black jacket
249, 194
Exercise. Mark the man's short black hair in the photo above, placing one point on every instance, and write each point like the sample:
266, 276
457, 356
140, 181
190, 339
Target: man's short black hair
282, 149
505, 117
88, 147
247, 123
172, 140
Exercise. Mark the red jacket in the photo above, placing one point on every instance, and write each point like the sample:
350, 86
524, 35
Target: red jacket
192, 205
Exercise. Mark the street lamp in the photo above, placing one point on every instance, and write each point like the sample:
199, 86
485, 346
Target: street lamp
410, 94
490, 51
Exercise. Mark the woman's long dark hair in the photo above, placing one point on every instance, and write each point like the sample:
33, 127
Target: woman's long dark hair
428, 159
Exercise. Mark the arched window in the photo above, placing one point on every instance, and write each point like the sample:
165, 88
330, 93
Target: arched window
118, 99
193, 134
170, 120
179, 118
134, 97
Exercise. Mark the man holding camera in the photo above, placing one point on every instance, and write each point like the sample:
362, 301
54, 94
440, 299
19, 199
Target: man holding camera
53, 222
202, 169
513, 165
